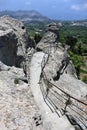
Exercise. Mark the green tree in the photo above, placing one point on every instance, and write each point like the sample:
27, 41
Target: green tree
85, 79
71, 40
37, 37
79, 48
77, 61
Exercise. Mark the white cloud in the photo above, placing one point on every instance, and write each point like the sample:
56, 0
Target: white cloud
75, 7
85, 5
79, 7
28, 3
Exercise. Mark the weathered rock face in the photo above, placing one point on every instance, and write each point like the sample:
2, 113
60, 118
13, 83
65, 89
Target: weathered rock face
51, 36
14, 41
18, 109
62, 85
17, 106
8, 47
20, 104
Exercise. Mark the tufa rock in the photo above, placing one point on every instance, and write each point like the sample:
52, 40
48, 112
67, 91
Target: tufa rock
51, 36
14, 42
8, 47
17, 104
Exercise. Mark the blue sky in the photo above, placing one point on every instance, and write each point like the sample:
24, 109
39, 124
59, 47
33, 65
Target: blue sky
55, 9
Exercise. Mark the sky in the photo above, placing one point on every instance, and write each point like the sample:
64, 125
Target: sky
54, 9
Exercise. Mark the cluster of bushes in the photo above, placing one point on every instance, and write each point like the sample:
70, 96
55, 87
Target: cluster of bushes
79, 31
76, 54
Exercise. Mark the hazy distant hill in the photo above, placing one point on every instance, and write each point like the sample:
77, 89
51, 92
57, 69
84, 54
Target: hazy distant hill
34, 17
26, 16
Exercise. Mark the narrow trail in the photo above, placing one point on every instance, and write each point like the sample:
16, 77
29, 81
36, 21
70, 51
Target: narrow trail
50, 120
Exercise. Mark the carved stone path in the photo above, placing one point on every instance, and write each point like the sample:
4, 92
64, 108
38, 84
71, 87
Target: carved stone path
50, 120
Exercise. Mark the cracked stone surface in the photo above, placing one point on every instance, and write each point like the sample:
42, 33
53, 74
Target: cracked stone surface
17, 105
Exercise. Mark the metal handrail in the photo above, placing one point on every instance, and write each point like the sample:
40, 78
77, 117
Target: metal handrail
67, 94
60, 88
50, 101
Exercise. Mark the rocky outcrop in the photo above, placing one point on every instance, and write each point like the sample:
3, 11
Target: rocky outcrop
22, 105
8, 47
50, 37
18, 109
61, 85
14, 41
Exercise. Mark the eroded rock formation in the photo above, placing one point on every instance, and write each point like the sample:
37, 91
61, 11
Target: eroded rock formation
50, 37
18, 109
60, 82
14, 41
22, 105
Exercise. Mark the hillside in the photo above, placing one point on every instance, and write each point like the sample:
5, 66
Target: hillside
26, 16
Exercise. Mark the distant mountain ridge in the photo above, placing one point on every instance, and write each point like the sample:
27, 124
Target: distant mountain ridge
33, 16
26, 15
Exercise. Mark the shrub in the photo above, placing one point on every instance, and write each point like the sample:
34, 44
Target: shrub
85, 79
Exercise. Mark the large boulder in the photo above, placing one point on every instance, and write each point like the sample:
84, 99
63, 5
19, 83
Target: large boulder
14, 41
50, 37
8, 47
